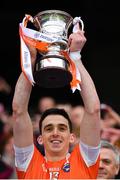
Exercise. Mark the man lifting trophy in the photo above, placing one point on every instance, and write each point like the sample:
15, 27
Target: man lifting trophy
54, 67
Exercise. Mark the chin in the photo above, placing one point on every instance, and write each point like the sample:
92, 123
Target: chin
56, 149
102, 177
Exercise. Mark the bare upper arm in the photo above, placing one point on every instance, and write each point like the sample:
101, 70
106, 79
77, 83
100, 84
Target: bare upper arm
90, 128
22, 130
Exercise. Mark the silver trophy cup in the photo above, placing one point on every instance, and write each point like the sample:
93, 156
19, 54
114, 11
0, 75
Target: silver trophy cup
52, 69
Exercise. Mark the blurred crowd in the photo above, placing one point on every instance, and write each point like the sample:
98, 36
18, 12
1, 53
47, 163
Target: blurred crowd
110, 134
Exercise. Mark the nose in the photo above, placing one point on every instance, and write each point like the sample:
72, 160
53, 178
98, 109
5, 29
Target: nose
55, 131
101, 164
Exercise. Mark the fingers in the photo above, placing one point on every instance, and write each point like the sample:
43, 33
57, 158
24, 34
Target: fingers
77, 28
76, 41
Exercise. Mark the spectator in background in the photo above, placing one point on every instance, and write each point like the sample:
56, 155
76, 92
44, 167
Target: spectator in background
45, 103
7, 167
110, 125
8, 151
5, 94
35, 123
66, 106
77, 113
7, 156
109, 116
6, 171
109, 161
5, 120
4, 86
110, 134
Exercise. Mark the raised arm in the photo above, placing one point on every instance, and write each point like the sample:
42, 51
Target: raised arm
90, 125
23, 131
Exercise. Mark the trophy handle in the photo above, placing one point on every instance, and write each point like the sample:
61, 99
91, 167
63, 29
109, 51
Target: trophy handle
75, 21
82, 24
67, 26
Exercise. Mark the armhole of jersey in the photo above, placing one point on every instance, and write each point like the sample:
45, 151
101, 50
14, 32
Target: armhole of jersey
23, 157
89, 154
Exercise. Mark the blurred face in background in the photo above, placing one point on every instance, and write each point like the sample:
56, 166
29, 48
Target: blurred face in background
108, 167
45, 103
110, 134
67, 107
77, 115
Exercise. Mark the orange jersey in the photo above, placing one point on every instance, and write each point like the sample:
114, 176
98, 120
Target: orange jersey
40, 169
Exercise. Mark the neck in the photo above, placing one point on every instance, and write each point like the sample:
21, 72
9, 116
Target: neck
55, 156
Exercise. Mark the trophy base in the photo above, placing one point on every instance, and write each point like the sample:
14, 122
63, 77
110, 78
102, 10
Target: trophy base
52, 77
52, 72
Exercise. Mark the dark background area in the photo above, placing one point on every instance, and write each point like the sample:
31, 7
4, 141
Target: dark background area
101, 54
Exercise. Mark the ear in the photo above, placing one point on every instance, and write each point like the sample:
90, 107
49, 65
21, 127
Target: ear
117, 169
39, 140
72, 138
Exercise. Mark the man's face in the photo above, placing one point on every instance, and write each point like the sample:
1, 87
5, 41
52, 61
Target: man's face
107, 168
56, 134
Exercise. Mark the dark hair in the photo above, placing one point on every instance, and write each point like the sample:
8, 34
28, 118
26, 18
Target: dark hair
54, 111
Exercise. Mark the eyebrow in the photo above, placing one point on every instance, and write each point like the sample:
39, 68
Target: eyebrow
49, 125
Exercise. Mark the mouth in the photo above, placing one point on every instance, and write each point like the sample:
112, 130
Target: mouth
56, 141
101, 174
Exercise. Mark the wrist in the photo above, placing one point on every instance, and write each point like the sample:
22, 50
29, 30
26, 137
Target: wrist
75, 56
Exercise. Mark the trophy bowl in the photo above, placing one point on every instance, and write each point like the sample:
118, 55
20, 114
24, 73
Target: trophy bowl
52, 68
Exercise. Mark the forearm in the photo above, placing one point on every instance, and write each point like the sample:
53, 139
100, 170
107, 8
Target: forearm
22, 94
22, 129
23, 87
88, 90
